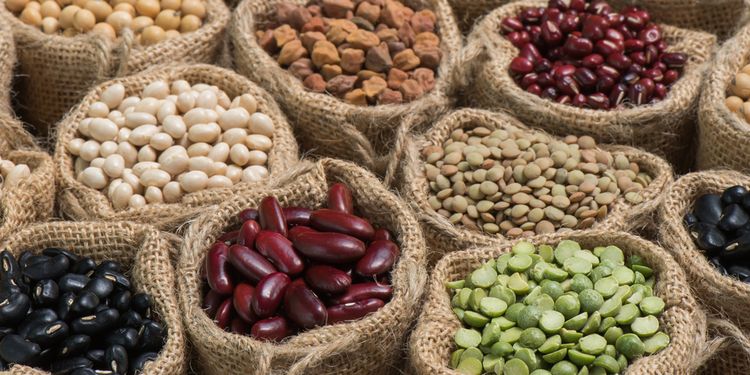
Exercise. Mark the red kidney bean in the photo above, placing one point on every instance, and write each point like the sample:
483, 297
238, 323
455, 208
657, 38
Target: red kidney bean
279, 250
249, 263
674, 60
578, 47
358, 292
303, 307
670, 76
272, 216
379, 258
534, 89
217, 269
299, 229
336, 248
229, 237
382, 234
340, 197
327, 279
634, 45
224, 314
511, 24
248, 214
598, 101
551, 33
297, 215
340, 222
242, 300
353, 310
239, 327
269, 293
247, 233
521, 65
592, 61
618, 94
211, 302
271, 329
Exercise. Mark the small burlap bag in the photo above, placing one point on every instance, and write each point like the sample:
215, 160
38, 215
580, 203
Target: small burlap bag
57, 71
325, 124
442, 236
146, 255
7, 64
665, 128
722, 135
432, 341
81, 202
373, 345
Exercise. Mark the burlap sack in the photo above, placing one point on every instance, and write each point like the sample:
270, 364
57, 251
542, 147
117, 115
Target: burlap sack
325, 124
56, 71
372, 345
443, 237
665, 128
13, 133
432, 341
81, 202
722, 135
7, 63
469, 11
142, 250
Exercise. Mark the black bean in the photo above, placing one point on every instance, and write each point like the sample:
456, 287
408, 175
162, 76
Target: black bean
152, 336
120, 300
85, 303
116, 358
119, 280
737, 250
73, 282
100, 286
708, 208
52, 268
49, 334
740, 271
3, 365
746, 201
13, 309
141, 302
67, 365
10, 267
84, 371
733, 194
733, 217
46, 293
97, 356
36, 318
23, 259
74, 345
689, 220
139, 362
5, 331
44, 358
84, 266
63, 306
97, 323
8, 287
711, 240
109, 265
131, 319
15, 349
53, 251
126, 337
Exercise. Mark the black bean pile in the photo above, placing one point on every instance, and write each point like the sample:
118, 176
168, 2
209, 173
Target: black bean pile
68, 315
720, 226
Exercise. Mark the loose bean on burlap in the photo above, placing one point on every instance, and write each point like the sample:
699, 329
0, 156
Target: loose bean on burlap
665, 128
81, 202
7, 63
372, 345
146, 255
442, 236
56, 71
432, 341
326, 125
723, 136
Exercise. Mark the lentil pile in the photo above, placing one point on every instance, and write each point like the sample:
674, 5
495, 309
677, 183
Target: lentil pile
287, 270
68, 315
364, 52
520, 183
720, 226
170, 141
739, 93
152, 21
585, 54
561, 311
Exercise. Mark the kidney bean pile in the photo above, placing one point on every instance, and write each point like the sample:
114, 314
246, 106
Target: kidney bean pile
291, 269
720, 226
587, 55
66, 314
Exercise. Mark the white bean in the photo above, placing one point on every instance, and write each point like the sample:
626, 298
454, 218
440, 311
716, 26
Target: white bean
180, 86
201, 87
207, 99
174, 126
98, 162
257, 158
185, 102
137, 201
219, 181
199, 149
83, 127
89, 150
234, 173
136, 119
259, 142
112, 186
193, 181
130, 178
254, 173
93, 177
113, 95
114, 165
141, 135
98, 110
148, 105
201, 163
140, 168
156, 89
128, 102
154, 195
218, 168
239, 154
128, 152
220, 152
224, 100
208, 133
234, 118
107, 148
199, 116
74, 146
167, 109
121, 196
260, 123
234, 136
172, 192
174, 163
103, 129
155, 177
147, 153
161, 141
79, 166
248, 102
118, 118
124, 134
18, 173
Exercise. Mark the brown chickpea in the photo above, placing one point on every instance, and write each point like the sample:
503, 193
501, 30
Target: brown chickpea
171, 4
117, 2
119, 20
140, 23
16, 6
125, 7
80, 3
168, 20
84, 20
34, 5
50, 8
31, 16
100, 8
50, 25
64, 3
148, 8
190, 23
71, 32
171, 34
734, 103
152, 35
105, 29
194, 7
67, 15
745, 111
745, 69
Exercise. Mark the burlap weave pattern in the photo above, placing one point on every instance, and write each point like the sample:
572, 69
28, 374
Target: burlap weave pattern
13, 132
373, 345
469, 11
7, 63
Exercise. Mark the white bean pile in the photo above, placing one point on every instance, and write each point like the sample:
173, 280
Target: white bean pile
12, 173
169, 141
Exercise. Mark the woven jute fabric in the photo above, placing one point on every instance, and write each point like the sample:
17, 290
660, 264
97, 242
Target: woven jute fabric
326, 125
55, 72
469, 11
442, 236
145, 254
81, 202
722, 135
372, 345
432, 341
14, 134
7, 63
665, 128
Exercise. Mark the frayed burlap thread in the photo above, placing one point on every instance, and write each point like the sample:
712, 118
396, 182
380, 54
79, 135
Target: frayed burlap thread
442, 236
469, 11
144, 253
56, 71
326, 125
14, 134
84, 203
432, 341
372, 345
665, 128
723, 136
7, 64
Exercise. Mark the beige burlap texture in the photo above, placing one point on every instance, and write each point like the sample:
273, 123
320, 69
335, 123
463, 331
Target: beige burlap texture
55, 72
442, 236
723, 136
144, 252
326, 125
665, 128
432, 341
7, 64
13, 133
372, 345
81, 202
469, 11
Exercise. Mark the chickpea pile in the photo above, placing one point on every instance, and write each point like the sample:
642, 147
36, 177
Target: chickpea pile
739, 93
152, 21
169, 141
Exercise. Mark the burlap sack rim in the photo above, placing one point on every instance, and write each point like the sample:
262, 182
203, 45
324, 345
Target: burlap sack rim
154, 267
437, 322
82, 202
319, 344
12, 131
33, 198
7, 63
417, 188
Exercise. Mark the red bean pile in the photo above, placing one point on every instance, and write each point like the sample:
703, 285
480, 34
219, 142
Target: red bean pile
290, 269
585, 54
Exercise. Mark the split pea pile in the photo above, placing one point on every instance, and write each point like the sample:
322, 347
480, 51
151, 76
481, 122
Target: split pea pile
11, 173
520, 183
364, 52
169, 141
561, 311
152, 21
